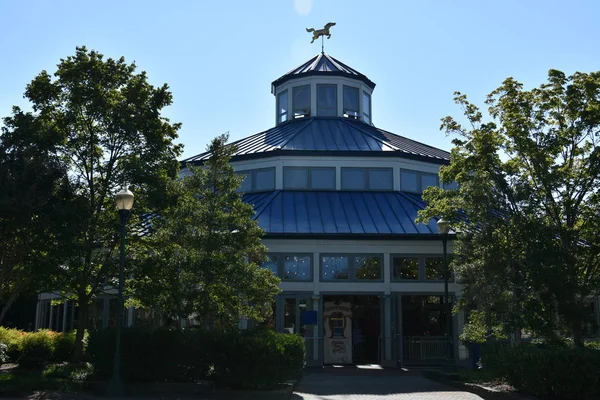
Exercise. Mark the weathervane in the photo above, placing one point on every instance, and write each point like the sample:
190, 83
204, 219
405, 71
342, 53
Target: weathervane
321, 33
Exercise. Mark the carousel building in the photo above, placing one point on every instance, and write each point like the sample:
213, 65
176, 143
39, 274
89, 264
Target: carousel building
338, 198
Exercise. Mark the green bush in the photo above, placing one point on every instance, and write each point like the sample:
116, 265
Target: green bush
249, 359
63, 346
12, 339
548, 373
37, 349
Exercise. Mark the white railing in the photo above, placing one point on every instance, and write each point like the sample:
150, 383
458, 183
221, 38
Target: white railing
425, 348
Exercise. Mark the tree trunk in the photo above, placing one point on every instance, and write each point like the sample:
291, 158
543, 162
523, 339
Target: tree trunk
81, 325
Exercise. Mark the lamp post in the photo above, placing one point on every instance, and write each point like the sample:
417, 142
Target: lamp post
443, 227
124, 200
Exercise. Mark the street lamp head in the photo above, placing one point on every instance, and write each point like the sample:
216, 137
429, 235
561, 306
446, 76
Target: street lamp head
124, 199
443, 226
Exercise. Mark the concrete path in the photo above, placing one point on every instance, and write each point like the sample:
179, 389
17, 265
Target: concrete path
360, 384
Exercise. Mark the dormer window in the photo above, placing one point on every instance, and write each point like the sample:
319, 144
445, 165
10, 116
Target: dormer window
366, 107
282, 107
301, 101
351, 102
327, 100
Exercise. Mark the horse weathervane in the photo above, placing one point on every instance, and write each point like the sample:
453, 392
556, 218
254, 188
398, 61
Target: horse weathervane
321, 33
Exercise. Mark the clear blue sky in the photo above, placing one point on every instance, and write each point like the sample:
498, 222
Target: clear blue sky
219, 57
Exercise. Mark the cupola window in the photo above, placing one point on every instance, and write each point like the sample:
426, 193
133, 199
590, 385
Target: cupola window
327, 100
351, 102
366, 106
282, 107
301, 101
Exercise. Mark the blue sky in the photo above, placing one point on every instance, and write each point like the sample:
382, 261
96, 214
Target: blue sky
219, 57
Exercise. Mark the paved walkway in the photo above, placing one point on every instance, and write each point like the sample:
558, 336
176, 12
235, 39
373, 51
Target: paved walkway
360, 384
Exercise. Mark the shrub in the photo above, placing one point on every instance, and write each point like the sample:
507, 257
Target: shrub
258, 359
549, 373
12, 339
36, 349
63, 346
250, 359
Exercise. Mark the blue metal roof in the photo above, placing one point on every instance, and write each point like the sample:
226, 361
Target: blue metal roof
323, 64
335, 213
330, 136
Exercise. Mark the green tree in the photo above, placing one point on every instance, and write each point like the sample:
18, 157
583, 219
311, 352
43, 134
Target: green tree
106, 120
204, 253
527, 202
32, 208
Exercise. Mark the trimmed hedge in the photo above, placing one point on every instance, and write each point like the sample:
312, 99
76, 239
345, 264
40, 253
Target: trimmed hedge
238, 358
548, 373
33, 349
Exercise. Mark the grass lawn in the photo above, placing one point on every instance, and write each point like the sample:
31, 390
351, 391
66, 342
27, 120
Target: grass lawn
15, 381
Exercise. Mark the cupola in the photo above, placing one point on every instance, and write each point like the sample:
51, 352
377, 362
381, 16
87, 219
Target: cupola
323, 87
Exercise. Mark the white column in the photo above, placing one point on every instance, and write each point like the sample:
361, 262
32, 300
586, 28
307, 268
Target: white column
64, 321
37, 315
130, 312
51, 316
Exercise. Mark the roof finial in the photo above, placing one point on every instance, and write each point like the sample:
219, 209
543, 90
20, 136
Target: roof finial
321, 33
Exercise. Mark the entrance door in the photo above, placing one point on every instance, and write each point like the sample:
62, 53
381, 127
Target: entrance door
292, 317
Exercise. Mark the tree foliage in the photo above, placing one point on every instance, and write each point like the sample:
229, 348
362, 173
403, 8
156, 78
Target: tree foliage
105, 123
527, 205
203, 256
33, 208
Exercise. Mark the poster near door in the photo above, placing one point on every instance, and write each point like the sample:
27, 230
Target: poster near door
337, 324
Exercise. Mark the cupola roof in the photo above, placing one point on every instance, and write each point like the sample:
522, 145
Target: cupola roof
323, 65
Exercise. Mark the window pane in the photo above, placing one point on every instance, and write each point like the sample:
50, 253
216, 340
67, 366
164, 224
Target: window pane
351, 101
301, 101
354, 178
296, 268
434, 268
408, 181
381, 179
264, 179
333, 268
428, 180
327, 100
405, 268
322, 178
282, 107
271, 264
366, 106
246, 185
295, 178
368, 268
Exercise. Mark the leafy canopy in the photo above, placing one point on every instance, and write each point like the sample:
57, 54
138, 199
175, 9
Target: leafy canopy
527, 203
203, 256
103, 123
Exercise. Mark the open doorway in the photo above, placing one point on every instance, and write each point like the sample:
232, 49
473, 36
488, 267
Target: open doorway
351, 329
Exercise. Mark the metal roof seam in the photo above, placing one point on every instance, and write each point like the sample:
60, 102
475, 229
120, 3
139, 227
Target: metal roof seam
380, 210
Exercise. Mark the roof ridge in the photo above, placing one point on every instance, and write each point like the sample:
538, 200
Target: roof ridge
285, 142
412, 140
343, 65
360, 128
266, 202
